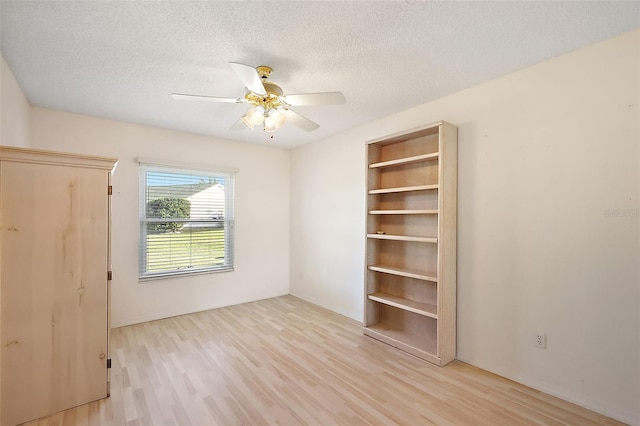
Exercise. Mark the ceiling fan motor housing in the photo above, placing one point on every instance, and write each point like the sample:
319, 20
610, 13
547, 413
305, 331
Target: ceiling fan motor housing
272, 98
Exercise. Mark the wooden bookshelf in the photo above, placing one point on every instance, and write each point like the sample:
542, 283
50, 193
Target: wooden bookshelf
410, 284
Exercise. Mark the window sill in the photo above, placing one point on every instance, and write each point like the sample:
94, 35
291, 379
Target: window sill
171, 275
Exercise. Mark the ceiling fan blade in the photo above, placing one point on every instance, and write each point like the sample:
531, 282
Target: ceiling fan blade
239, 125
300, 121
325, 98
185, 97
249, 77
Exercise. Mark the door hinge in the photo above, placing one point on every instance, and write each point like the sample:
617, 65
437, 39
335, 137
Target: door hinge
109, 189
109, 363
109, 275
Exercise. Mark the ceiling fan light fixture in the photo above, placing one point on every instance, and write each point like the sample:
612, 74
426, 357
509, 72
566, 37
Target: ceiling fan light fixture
269, 124
257, 115
279, 118
253, 117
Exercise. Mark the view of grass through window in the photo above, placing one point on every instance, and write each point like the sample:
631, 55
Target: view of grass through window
192, 248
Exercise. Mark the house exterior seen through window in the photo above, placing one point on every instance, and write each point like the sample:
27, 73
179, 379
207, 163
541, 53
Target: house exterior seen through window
186, 221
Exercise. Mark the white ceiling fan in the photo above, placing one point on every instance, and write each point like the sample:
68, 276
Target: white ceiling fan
270, 107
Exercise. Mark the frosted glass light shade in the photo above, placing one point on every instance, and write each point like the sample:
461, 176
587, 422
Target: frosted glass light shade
279, 118
253, 117
269, 124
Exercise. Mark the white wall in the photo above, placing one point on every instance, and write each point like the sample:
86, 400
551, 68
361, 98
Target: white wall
15, 111
262, 213
327, 224
548, 223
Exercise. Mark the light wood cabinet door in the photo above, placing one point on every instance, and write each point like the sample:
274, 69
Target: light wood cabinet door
54, 301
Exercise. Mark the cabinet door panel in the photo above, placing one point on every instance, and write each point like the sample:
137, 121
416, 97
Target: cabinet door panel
54, 288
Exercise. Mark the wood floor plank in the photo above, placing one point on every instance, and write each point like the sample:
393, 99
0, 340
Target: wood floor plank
287, 362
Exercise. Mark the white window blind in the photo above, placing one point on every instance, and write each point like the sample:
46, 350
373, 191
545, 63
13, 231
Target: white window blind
186, 221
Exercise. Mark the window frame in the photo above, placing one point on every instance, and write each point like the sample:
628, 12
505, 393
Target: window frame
228, 220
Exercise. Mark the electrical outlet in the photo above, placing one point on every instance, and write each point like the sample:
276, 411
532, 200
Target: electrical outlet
541, 341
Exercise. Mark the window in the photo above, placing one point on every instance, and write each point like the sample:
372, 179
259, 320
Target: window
186, 221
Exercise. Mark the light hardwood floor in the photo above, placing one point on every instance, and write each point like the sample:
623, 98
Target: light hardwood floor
284, 361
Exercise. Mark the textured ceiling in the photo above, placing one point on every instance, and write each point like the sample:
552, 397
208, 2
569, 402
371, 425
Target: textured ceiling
122, 60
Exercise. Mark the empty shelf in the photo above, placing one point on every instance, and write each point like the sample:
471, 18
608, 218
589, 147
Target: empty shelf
416, 345
403, 238
419, 275
403, 212
406, 304
406, 160
403, 189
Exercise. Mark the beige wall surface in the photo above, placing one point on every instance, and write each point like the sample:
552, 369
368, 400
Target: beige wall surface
262, 212
15, 111
548, 223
